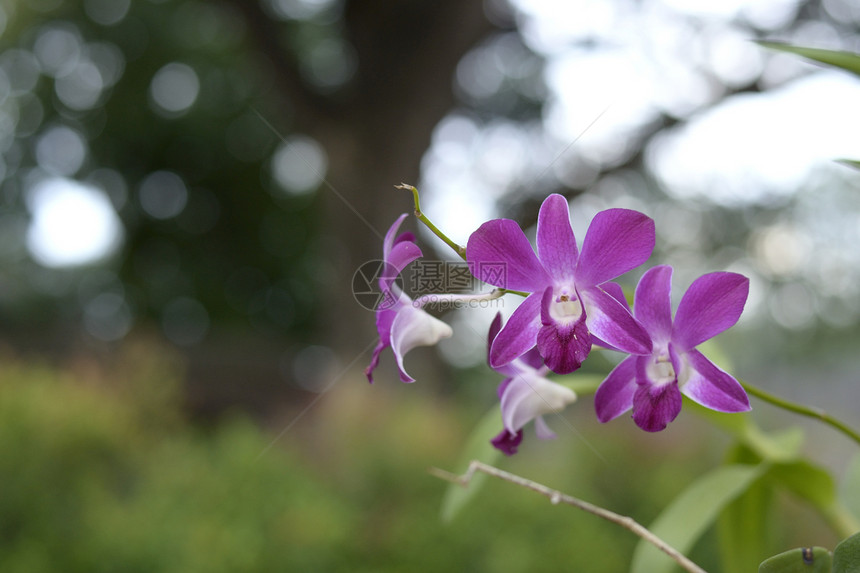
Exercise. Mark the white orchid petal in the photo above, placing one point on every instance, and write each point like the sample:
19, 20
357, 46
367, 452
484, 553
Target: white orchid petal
413, 327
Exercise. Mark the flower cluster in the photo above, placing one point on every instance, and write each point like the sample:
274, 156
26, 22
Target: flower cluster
571, 304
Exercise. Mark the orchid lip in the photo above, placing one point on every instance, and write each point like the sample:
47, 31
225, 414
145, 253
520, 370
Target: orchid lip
566, 308
661, 371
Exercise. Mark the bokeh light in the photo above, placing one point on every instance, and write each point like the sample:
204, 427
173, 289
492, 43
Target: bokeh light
72, 224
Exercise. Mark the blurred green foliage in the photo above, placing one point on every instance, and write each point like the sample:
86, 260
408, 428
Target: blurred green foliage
100, 472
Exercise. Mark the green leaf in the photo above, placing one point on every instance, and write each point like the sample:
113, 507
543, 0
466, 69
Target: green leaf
743, 528
800, 560
807, 481
848, 61
781, 446
478, 447
691, 513
846, 556
849, 163
849, 492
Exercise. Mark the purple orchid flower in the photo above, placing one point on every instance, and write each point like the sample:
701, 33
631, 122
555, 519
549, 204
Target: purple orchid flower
525, 395
401, 324
567, 309
652, 384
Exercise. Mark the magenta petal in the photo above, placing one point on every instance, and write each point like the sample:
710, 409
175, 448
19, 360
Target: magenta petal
507, 443
495, 327
713, 303
712, 387
384, 318
609, 321
615, 291
499, 254
390, 235
398, 258
405, 236
614, 396
564, 347
519, 334
652, 302
654, 406
556, 243
374, 360
532, 358
616, 241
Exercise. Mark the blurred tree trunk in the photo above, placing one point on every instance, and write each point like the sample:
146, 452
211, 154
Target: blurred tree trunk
375, 130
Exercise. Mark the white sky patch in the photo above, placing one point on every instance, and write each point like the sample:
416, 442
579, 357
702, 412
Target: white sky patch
602, 96
755, 145
72, 224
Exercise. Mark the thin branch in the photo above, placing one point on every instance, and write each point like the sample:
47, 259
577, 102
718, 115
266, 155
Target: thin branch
556, 497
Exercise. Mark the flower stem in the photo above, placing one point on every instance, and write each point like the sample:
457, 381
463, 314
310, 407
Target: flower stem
460, 250
556, 497
807, 411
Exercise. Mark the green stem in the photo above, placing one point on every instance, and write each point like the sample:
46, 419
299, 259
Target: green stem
815, 413
460, 250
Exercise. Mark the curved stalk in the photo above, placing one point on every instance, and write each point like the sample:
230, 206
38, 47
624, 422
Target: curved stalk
802, 410
459, 249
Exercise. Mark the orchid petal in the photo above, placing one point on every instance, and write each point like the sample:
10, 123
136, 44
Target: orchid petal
374, 360
495, 327
531, 359
405, 236
398, 259
556, 243
530, 396
390, 235
564, 346
712, 387
652, 302
655, 405
499, 254
608, 320
503, 385
413, 327
614, 396
519, 334
507, 443
543, 431
615, 291
616, 241
713, 303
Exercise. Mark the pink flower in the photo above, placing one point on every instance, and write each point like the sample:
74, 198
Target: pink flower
400, 324
567, 308
652, 384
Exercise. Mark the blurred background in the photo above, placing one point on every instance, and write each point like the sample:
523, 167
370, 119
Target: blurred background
187, 188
